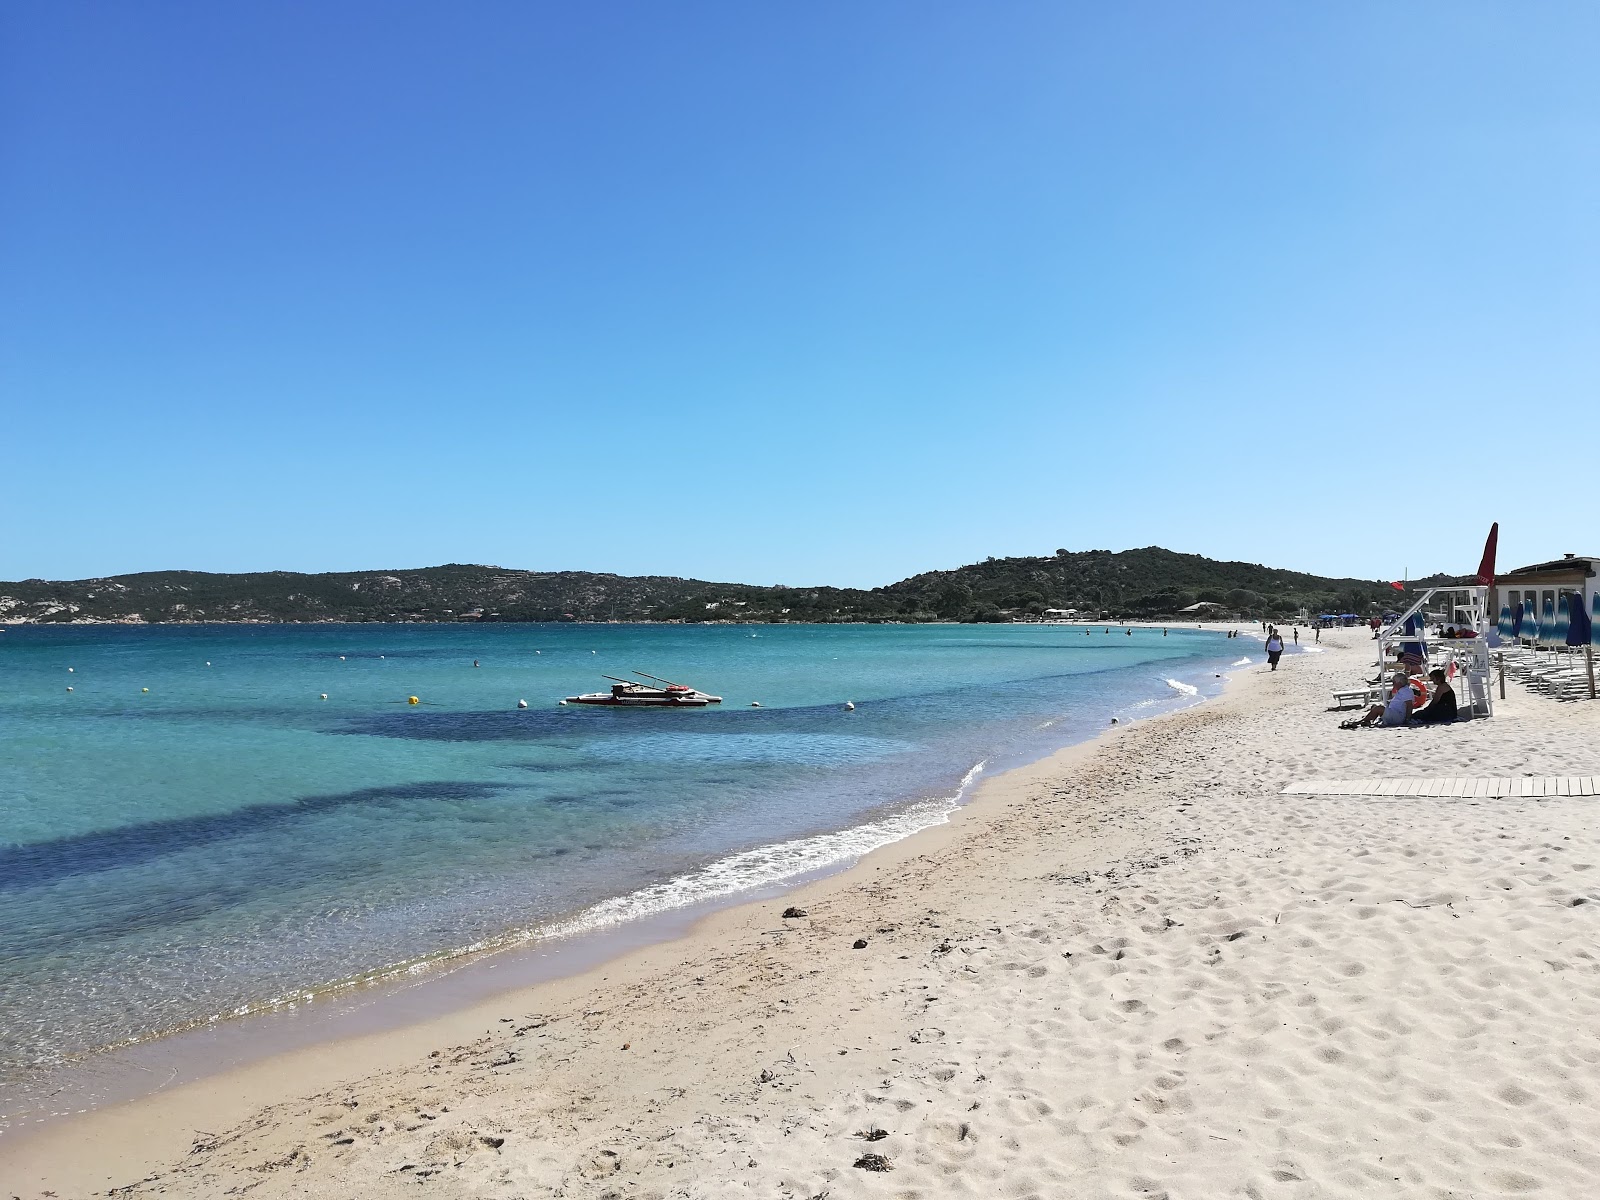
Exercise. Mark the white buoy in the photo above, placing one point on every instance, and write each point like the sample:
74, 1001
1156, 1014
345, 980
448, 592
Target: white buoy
69, 689
144, 689
849, 706
324, 695
208, 662
341, 658
563, 703
524, 703
383, 656
755, 704
69, 670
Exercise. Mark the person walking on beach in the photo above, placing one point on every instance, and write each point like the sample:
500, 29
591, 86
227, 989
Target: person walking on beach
1297, 635
1274, 648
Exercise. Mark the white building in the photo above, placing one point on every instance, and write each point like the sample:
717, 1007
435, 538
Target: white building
1533, 585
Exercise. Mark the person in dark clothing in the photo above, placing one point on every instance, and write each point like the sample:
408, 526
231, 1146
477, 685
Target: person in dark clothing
1274, 648
1442, 707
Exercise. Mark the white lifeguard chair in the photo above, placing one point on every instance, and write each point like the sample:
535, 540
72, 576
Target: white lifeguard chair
1470, 655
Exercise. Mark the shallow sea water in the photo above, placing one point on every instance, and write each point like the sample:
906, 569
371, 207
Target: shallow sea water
228, 839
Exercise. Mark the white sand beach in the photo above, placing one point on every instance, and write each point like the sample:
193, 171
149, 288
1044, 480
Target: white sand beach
1133, 970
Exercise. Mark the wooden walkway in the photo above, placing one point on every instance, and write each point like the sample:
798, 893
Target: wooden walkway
1538, 786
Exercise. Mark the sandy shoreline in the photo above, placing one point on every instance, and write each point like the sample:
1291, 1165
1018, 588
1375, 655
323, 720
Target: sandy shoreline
1133, 968
409, 993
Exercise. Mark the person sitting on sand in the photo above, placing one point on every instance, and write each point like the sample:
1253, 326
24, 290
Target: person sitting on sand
1396, 712
1442, 707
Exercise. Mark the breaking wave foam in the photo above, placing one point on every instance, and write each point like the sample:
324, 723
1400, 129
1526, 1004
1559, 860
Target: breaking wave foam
766, 865
748, 870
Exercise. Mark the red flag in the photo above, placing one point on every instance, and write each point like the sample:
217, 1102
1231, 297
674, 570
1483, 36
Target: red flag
1486, 566
1399, 587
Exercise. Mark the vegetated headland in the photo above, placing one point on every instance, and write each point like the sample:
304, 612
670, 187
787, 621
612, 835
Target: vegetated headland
1143, 583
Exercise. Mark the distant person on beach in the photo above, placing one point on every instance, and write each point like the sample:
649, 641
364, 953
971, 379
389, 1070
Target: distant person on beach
1297, 635
1274, 648
1319, 633
1396, 712
1442, 708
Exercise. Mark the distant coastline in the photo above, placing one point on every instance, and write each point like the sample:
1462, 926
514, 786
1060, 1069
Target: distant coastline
1145, 583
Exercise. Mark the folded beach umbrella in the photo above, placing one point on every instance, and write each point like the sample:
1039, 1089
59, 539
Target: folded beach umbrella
1580, 630
1505, 621
1413, 629
1547, 623
1563, 618
1517, 619
1594, 621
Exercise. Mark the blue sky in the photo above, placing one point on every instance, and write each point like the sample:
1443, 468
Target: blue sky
825, 293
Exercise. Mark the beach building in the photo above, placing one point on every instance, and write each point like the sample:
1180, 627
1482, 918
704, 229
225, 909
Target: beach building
1544, 582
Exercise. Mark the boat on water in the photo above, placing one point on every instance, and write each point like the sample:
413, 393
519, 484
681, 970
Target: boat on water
660, 693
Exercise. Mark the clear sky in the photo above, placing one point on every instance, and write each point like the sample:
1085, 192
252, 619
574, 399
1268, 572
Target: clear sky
799, 293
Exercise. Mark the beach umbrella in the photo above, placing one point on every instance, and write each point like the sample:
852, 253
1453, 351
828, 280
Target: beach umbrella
1580, 629
1594, 623
1505, 621
1517, 619
1547, 622
1563, 618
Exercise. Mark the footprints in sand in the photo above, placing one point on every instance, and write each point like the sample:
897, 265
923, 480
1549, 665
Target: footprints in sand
1204, 1022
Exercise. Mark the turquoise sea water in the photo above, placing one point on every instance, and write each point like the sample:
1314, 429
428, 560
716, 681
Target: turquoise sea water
227, 838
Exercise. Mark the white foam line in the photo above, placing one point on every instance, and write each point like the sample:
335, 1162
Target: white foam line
765, 865
1243, 662
749, 869
1187, 689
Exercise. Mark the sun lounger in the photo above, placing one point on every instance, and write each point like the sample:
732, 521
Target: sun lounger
1356, 696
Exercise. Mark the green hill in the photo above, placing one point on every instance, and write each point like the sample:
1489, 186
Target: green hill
1145, 582
1148, 581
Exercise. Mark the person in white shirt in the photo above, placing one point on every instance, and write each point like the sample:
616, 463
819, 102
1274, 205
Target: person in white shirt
1396, 712
1274, 648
